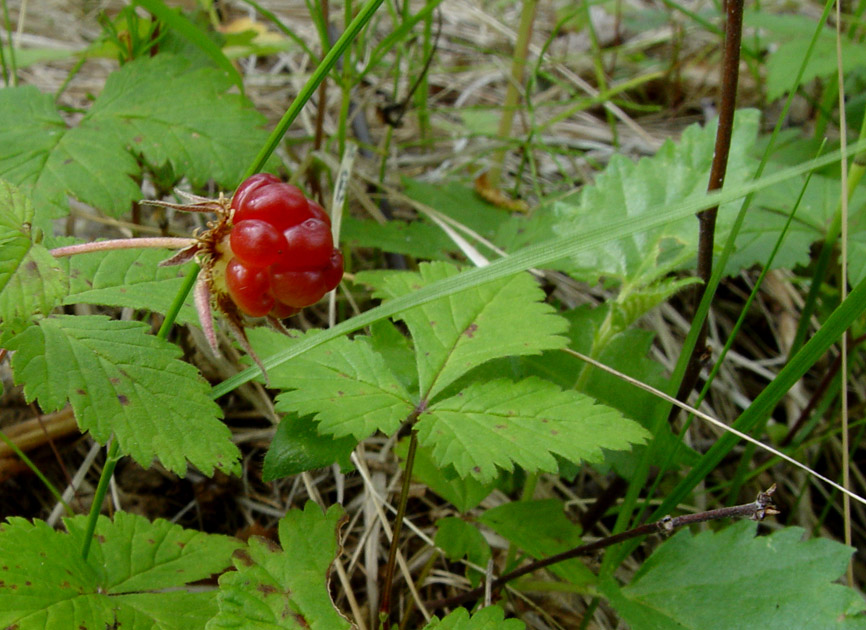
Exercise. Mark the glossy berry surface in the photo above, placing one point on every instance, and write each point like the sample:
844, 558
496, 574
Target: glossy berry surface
257, 243
283, 255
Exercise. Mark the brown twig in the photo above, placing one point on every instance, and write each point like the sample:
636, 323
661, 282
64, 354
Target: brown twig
760, 508
385, 604
707, 218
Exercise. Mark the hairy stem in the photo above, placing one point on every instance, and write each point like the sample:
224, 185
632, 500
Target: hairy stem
158, 242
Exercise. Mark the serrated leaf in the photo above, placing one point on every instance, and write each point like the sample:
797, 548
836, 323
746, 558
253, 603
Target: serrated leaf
455, 334
459, 539
498, 424
158, 107
541, 529
692, 582
46, 583
298, 447
348, 387
31, 281
288, 587
629, 190
490, 618
128, 277
122, 381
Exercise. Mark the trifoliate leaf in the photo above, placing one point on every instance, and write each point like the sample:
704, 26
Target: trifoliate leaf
128, 277
122, 381
455, 334
157, 107
45, 583
541, 529
732, 579
284, 588
628, 189
298, 447
347, 385
459, 539
490, 618
31, 281
502, 423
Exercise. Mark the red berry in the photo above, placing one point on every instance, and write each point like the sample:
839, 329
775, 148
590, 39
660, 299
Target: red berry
257, 243
284, 256
333, 273
249, 288
282, 311
318, 212
309, 246
298, 288
280, 205
251, 184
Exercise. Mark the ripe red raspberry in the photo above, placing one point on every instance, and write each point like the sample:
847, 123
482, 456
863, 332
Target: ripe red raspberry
249, 288
257, 243
283, 252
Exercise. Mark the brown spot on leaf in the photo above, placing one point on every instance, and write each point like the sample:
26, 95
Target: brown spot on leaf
243, 556
470, 330
123, 400
554, 432
476, 469
266, 589
501, 426
81, 392
31, 266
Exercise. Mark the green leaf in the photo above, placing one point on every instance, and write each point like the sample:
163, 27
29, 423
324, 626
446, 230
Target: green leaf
691, 582
31, 281
416, 238
459, 539
46, 583
174, 19
541, 529
157, 107
122, 381
298, 447
463, 493
490, 618
791, 32
630, 190
502, 423
462, 204
288, 588
128, 277
348, 387
455, 334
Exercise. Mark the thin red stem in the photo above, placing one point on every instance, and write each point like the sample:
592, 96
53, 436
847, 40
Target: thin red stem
162, 242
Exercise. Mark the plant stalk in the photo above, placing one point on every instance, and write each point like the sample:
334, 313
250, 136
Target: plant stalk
385, 605
757, 510
707, 218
